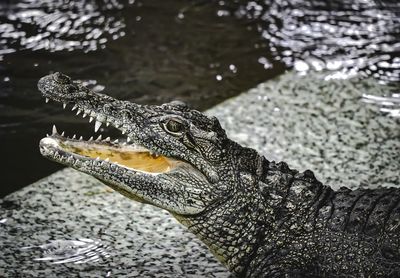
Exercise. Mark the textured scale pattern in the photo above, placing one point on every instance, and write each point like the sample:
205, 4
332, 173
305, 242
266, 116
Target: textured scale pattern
259, 218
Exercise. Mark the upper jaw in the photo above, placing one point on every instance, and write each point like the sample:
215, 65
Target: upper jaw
98, 108
129, 118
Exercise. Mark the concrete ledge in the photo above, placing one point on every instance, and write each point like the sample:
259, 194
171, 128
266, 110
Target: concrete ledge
331, 127
74, 214
70, 225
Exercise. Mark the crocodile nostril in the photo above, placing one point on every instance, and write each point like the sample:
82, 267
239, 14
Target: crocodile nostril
61, 78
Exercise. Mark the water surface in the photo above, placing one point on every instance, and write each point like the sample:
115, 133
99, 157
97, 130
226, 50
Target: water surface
147, 52
201, 52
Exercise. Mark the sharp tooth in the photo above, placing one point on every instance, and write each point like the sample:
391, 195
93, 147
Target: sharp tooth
54, 129
99, 138
84, 115
128, 139
123, 131
107, 159
90, 119
78, 112
73, 108
64, 105
107, 124
91, 138
81, 138
115, 141
107, 139
74, 137
97, 126
47, 100
98, 158
62, 134
47, 135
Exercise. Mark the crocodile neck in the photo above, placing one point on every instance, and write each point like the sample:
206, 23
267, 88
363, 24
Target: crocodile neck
250, 223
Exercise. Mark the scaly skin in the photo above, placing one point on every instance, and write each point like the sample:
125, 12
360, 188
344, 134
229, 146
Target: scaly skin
260, 218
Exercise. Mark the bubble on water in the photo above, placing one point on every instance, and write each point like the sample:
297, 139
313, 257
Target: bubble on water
265, 62
301, 66
221, 13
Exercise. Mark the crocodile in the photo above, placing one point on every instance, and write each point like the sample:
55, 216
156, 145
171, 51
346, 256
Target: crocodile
260, 218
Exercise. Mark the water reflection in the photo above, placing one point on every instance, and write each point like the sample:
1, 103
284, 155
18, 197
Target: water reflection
59, 25
345, 36
77, 251
148, 52
201, 52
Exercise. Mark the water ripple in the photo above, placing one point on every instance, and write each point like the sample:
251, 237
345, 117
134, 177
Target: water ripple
77, 251
388, 104
346, 37
58, 25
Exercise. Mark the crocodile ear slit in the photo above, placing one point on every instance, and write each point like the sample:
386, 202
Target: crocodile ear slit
190, 140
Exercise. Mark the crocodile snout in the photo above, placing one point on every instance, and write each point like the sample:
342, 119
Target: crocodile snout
60, 87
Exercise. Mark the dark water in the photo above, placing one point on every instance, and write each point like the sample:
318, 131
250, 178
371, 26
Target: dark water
147, 52
201, 52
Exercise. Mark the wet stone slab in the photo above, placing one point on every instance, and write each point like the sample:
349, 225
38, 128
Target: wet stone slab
346, 131
70, 225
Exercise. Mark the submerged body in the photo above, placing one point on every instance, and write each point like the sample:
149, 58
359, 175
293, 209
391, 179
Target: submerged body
260, 218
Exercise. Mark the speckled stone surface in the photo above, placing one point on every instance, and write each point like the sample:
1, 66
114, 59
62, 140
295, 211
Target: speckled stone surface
131, 239
70, 225
325, 126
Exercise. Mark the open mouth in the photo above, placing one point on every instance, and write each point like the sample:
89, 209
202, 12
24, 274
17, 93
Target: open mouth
71, 151
141, 165
77, 152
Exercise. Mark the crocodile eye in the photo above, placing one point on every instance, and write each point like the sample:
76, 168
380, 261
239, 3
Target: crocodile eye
174, 127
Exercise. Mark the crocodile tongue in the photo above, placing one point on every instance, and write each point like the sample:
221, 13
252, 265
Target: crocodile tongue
68, 150
132, 157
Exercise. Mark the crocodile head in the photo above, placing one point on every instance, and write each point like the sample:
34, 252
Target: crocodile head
172, 156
